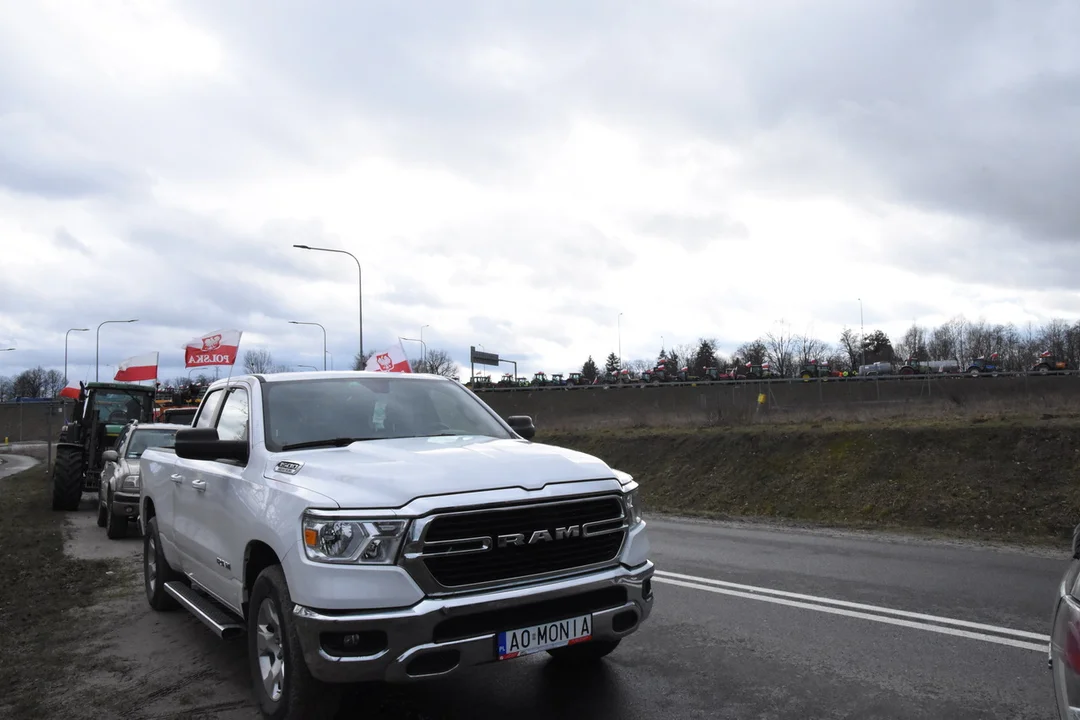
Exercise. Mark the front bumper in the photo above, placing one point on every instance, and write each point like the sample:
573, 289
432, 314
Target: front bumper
437, 636
125, 505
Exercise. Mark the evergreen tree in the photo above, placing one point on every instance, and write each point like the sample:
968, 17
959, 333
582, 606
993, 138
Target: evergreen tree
589, 370
704, 358
611, 365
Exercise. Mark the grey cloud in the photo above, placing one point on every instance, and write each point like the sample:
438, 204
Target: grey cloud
64, 239
411, 297
694, 232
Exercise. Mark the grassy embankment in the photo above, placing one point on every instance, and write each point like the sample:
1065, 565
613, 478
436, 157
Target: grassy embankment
42, 590
1001, 479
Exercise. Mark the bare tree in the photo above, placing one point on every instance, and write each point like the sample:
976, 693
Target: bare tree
914, 344
810, 348
7, 389
360, 361
851, 345
638, 366
780, 349
437, 362
258, 361
752, 352
31, 382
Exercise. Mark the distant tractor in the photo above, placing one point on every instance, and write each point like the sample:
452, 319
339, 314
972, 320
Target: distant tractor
659, 374
480, 382
815, 369
101, 413
540, 379
752, 371
557, 379
1046, 362
684, 375
507, 380
715, 374
985, 366
576, 379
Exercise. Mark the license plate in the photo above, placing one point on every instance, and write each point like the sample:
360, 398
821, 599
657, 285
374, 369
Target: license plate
537, 638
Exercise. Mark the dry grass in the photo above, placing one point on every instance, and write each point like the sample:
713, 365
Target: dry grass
990, 478
40, 584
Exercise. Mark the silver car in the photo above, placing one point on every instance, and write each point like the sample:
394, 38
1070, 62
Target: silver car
1065, 638
118, 495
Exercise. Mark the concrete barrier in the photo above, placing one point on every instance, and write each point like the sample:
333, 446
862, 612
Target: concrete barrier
739, 403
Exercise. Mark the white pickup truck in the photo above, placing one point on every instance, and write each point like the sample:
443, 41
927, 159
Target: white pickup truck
385, 526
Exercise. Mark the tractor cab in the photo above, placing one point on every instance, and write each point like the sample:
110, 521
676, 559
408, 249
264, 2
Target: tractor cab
1046, 361
816, 369
661, 373
480, 381
983, 364
557, 379
576, 378
715, 373
508, 380
684, 375
102, 413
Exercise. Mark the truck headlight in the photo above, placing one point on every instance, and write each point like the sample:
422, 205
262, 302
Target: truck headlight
632, 501
343, 540
130, 482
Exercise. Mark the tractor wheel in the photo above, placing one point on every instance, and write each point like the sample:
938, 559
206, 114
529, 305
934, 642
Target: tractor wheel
805, 376
1044, 369
67, 479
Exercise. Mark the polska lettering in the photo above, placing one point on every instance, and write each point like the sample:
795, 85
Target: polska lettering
208, 358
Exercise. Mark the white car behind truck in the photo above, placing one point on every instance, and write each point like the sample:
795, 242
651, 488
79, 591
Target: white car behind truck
383, 526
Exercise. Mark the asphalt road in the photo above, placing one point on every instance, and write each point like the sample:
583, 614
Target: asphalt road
722, 643
11, 464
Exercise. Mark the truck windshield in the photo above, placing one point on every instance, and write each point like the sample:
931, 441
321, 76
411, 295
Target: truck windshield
312, 411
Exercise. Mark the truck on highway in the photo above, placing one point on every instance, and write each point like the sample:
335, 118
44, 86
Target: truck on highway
369, 526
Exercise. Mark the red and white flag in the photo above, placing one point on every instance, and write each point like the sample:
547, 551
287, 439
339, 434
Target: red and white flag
219, 347
392, 360
71, 390
138, 367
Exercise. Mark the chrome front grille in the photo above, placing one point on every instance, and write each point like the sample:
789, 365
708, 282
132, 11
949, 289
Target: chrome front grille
494, 546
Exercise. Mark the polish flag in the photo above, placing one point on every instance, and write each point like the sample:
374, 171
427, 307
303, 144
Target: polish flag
219, 347
138, 367
392, 360
71, 390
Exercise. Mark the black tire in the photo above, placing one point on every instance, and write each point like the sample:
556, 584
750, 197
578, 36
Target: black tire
67, 479
584, 653
115, 528
296, 694
102, 514
163, 573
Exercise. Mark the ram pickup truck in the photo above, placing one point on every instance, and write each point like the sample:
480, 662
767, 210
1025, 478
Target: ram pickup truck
370, 526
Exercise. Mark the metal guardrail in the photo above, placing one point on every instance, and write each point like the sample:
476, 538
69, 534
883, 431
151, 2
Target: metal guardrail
639, 385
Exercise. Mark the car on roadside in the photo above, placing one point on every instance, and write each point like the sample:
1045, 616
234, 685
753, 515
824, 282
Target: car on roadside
1064, 649
118, 492
370, 526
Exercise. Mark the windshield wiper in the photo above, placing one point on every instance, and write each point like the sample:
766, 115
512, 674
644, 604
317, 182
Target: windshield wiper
332, 442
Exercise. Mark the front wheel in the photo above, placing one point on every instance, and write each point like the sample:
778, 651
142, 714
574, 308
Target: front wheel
115, 528
156, 570
283, 684
584, 653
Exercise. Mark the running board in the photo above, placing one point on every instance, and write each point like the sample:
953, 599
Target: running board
214, 617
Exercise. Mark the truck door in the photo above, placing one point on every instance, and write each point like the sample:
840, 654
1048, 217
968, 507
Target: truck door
212, 506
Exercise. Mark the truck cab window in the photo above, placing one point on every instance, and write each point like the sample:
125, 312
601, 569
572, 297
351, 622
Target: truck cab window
208, 409
233, 424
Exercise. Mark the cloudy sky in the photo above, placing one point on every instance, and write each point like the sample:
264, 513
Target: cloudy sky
515, 174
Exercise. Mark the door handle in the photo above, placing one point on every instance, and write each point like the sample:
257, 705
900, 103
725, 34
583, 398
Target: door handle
199, 485
176, 478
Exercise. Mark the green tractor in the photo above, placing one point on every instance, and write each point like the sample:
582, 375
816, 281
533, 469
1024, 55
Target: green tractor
103, 410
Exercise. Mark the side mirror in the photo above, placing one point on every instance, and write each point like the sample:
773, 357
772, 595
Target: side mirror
110, 456
522, 425
204, 444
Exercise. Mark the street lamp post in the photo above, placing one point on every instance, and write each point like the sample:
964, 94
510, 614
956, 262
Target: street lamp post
97, 350
423, 347
308, 366
297, 322
325, 353
360, 287
71, 330
862, 333
620, 341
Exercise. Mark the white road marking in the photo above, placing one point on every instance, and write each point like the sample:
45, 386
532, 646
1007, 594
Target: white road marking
859, 606
1042, 648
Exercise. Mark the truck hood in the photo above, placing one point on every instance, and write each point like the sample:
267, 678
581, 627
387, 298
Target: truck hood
392, 473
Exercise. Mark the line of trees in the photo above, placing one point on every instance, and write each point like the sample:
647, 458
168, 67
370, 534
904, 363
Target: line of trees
34, 382
958, 339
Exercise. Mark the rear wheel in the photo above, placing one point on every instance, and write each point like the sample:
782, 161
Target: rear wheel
115, 527
67, 479
283, 684
584, 653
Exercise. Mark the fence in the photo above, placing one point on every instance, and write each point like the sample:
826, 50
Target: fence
745, 402
33, 421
